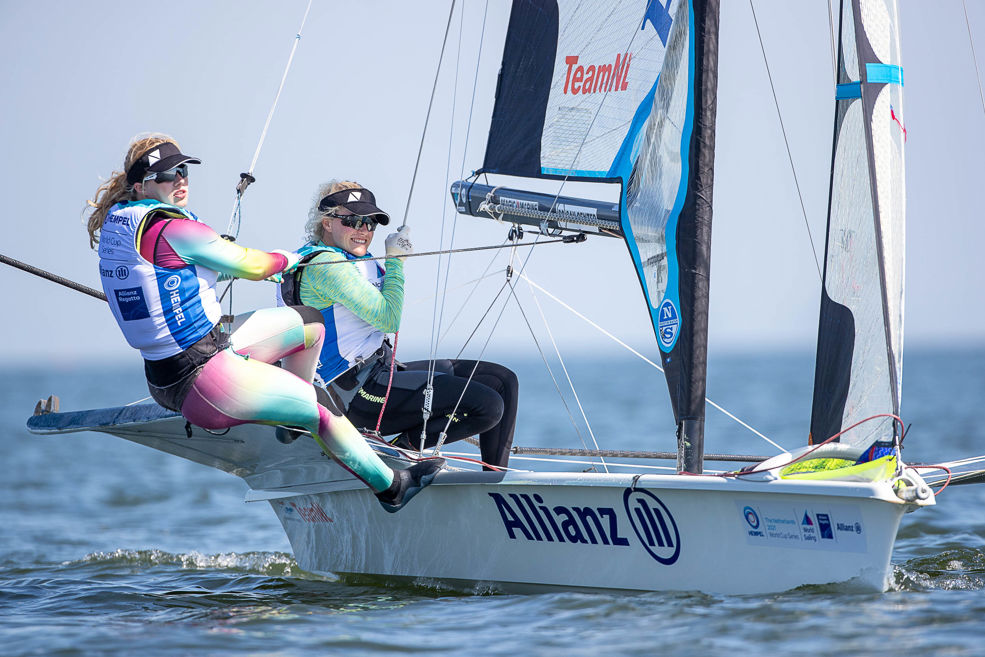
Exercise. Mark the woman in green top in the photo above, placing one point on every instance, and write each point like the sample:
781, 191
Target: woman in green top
362, 302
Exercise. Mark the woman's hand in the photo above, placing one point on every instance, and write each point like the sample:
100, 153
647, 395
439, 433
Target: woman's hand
292, 262
398, 244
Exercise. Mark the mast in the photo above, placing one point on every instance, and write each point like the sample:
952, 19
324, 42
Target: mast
668, 212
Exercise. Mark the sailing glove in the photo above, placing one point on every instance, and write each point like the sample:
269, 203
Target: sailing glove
292, 262
398, 244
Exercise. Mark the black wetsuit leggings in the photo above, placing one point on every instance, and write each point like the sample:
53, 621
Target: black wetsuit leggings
488, 407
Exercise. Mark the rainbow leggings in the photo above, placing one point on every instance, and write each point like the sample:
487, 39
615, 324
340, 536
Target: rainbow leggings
239, 385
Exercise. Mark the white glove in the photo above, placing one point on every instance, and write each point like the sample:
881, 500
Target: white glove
292, 262
398, 244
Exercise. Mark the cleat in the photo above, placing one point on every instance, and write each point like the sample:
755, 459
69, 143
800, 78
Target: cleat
407, 483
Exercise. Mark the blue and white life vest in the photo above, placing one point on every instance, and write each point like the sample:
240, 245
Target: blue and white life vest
161, 311
348, 337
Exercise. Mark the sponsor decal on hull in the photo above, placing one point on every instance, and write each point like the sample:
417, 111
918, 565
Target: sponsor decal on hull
834, 527
643, 522
306, 513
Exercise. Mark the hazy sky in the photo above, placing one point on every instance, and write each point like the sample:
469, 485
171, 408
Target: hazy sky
80, 79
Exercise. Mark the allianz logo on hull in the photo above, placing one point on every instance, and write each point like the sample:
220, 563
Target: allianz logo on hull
529, 517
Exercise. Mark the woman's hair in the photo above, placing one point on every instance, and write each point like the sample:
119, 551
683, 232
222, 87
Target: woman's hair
117, 189
313, 229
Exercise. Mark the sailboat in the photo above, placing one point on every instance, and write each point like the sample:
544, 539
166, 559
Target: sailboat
626, 95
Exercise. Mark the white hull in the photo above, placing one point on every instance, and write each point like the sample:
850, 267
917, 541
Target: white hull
590, 531
535, 531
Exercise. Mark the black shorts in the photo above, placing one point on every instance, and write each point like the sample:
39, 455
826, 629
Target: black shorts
170, 379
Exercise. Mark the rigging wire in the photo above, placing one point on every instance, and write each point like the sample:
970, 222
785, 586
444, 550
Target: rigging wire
564, 368
834, 41
647, 360
465, 303
557, 387
444, 205
786, 142
427, 117
974, 58
439, 307
247, 178
444, 432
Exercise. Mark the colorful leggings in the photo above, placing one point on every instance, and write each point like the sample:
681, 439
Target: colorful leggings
239, 385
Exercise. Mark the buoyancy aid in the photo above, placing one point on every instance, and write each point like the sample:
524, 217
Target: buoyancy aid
161, 311
351, 343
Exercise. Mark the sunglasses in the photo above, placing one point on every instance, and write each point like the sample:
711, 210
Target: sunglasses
170, 175
355, 221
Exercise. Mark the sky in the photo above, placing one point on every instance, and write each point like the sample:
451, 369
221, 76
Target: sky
80, 79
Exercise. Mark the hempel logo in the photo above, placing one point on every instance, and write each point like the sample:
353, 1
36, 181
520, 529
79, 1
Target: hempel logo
528, 516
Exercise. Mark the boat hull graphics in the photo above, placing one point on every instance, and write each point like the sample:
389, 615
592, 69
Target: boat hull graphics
528, 531
538, 531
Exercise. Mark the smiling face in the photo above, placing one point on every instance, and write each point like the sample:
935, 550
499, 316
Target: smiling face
352, 240
174, 192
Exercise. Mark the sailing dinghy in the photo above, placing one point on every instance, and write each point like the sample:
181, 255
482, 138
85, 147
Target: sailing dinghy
626, 94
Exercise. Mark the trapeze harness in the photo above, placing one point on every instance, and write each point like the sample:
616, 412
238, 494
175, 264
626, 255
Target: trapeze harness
353, 347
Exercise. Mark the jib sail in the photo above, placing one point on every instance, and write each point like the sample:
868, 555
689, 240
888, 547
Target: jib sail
860, 334
626, 92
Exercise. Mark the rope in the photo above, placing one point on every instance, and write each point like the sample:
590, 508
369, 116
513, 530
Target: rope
427, 118
974, 58
247, 178
786, 142
389, 384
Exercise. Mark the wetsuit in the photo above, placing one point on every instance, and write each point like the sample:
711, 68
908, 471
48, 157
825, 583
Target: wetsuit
371, 305
159, 266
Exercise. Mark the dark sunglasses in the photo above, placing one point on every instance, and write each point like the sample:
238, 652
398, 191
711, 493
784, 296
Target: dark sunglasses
355, 221
170, 175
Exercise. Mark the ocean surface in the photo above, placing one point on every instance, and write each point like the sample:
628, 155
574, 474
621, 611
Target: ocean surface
111, 548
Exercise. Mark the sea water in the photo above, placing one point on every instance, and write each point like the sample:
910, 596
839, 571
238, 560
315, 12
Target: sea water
111, 548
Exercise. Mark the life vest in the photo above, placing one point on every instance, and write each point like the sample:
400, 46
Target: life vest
349, 339
161, 311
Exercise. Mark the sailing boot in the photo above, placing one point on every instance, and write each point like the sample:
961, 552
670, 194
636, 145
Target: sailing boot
408, 482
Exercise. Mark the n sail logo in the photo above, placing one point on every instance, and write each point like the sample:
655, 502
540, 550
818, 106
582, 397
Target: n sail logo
668, 324
529, 517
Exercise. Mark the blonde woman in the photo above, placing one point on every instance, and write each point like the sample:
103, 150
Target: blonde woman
159, 264
362, 302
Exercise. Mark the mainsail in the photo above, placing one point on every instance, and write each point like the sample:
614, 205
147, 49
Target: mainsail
860, 334
624, 92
